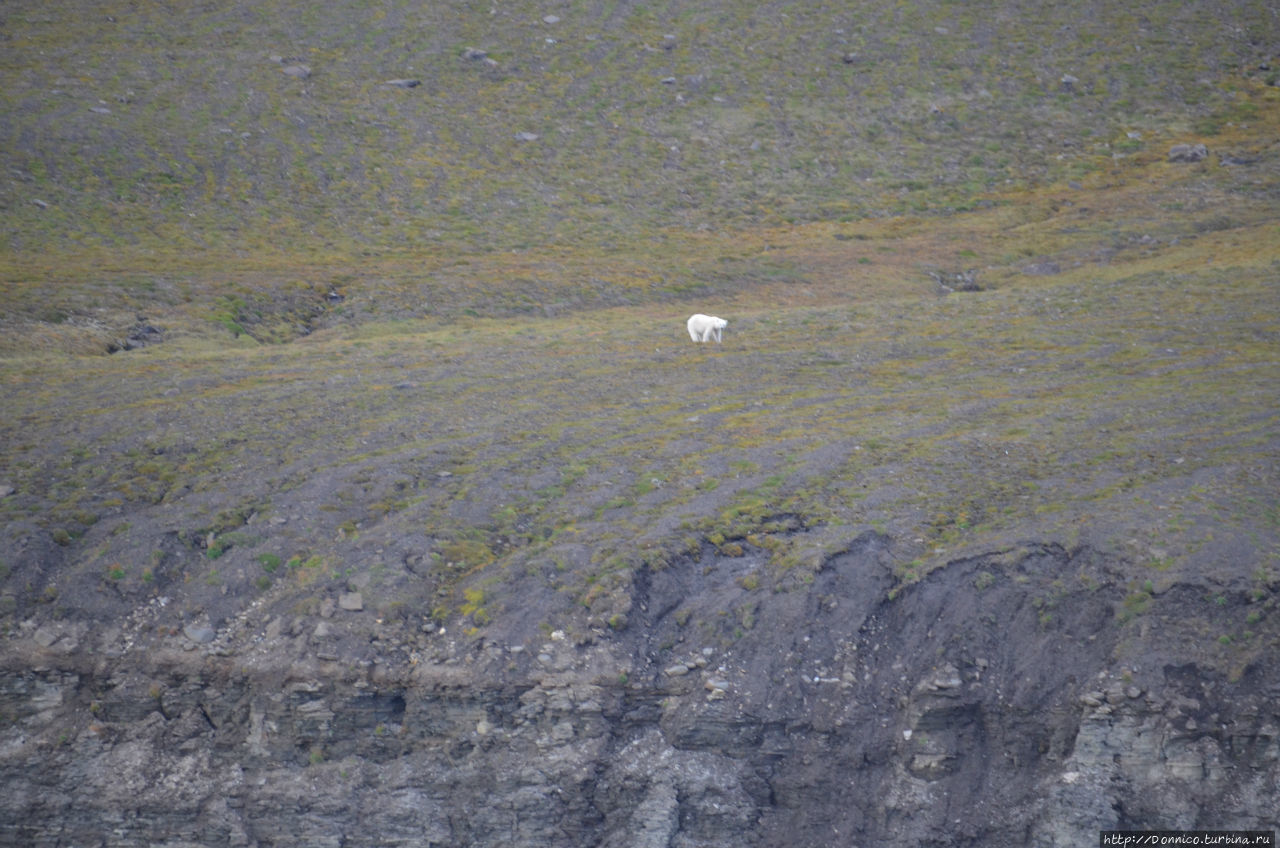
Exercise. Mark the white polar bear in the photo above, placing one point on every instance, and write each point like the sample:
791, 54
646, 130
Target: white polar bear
703, 327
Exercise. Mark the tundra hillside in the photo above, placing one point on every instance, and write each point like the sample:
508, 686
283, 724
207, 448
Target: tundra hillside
360, 484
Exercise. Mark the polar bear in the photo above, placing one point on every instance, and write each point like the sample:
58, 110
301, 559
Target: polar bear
703, 327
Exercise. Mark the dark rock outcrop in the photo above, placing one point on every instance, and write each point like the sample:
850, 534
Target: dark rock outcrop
993, 701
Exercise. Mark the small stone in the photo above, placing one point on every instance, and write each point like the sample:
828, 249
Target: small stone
1133, 692
948, 678
6, 490
403, 83
45, 636
351, 601
677, 670
526, 136
551, 19
296, 71
199, 634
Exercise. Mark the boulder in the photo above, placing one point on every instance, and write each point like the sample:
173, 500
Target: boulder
1188, 153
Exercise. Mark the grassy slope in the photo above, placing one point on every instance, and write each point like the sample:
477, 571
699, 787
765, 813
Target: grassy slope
1127, 401
209, 148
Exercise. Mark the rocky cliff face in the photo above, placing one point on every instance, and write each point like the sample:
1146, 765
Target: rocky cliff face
1005, 699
